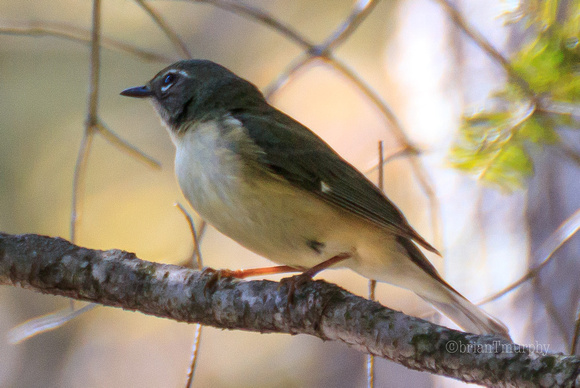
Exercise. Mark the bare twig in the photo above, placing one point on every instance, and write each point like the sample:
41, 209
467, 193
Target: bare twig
551, 310
53, 265
284, 76
44, 323
125, 146
79, 181
198, 327
194, 354
486, 46
426, 184
167, 30
402, 151
381, 167
371, 365
372, 282
358, 14
199, 237
576, 335
560, 107
259, 15
92, 125
91, 121
544, 254
196, 237
424, 180
566, 150
78, 35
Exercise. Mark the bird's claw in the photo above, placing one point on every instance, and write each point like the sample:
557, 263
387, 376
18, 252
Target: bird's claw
215, 275
293, 283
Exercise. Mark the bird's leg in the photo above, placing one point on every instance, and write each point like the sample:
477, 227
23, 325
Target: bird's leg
310, 273
217, 274
245, 273
297, 280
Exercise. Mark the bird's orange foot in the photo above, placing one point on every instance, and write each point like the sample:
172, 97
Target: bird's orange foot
215, 276
293, 283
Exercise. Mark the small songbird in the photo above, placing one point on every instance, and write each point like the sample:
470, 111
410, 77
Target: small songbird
268, 182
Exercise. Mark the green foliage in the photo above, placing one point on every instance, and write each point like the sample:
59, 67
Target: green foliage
495, 144
551, 64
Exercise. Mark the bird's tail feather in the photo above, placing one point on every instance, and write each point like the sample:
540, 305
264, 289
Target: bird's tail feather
467, 315
451, 303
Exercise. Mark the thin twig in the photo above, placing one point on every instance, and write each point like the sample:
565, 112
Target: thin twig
199, 237
126, 147
486, 46
79, 35
79, 182
424, 180
394, 123
90, 126
95, 67
576, 335
91, 121
426, 184
402, 151
167, 30
381, 167
358, 14
544, 254
264, 18
551, 310
371, 365
198, 327
284, 76
560, 108
44, 323
373, 282
196, 237
570, 153
194, 354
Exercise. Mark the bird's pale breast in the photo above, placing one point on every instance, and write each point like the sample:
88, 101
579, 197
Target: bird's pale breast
244, 201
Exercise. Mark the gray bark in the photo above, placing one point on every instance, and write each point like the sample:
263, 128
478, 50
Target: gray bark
120, 279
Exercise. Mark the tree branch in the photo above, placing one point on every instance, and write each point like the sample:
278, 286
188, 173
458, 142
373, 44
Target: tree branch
120, 279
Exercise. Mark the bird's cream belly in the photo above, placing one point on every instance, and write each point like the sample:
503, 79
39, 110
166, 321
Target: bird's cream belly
283, 226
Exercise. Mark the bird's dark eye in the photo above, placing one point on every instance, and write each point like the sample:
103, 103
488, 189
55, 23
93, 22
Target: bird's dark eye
169, 79
168, 82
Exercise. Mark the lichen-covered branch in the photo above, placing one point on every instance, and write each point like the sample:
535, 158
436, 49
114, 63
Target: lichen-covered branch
117, 278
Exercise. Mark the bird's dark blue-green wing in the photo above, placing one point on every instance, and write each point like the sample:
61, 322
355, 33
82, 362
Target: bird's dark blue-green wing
298, 155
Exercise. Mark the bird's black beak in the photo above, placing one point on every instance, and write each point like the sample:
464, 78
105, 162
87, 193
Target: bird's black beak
138, 92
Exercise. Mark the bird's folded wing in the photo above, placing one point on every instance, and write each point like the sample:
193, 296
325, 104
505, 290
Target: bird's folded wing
293, 152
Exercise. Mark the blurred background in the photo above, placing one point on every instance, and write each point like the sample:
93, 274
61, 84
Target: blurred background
417, 61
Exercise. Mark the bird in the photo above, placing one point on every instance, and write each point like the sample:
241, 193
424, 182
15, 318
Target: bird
268, 182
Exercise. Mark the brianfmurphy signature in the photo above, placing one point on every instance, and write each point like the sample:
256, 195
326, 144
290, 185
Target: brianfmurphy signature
496, 347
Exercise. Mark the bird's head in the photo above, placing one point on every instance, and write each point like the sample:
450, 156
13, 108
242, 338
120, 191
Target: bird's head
196, 90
